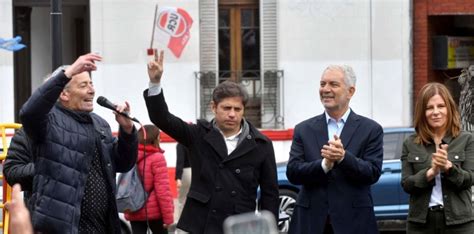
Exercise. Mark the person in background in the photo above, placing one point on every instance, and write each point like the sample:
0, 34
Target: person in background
18, 166
230, 158
76, 156
336, 157
438, 166
183, 175
157, 213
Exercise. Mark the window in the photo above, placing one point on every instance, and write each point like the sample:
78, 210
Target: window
239, 51
393, 143
242, 46
239, 42
392, 147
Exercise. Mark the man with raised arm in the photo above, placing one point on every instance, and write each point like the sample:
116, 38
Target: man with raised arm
230, 158
76, 156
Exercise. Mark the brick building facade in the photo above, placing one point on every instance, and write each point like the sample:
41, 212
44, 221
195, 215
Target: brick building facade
433, 18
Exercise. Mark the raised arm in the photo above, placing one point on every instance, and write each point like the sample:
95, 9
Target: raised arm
34, 113
155, 67
157, 107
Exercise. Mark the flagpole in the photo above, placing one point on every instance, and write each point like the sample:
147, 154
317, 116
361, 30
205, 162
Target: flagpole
56, 34
153, 31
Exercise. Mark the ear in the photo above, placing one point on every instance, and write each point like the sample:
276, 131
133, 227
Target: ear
352, 91
213, 107
64, 96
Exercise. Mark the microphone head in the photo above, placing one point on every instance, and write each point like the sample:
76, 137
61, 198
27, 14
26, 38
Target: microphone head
101, 100
105, 103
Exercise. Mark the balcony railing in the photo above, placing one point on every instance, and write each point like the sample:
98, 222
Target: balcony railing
264, 108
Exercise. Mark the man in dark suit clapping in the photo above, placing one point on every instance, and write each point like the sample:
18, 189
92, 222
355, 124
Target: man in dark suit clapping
335, 156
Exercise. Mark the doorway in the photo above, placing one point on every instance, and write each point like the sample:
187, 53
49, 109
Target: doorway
31, 21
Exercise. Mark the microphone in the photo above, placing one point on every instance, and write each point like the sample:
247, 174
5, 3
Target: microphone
109, 105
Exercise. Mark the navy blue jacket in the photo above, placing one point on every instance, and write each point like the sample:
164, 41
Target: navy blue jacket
64, 143
343, 193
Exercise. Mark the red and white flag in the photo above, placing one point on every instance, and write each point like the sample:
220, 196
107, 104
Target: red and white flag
172, 28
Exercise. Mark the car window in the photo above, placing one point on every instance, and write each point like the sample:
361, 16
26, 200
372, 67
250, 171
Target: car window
391, 146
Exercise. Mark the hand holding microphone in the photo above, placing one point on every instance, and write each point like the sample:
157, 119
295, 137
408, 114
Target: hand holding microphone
121, 113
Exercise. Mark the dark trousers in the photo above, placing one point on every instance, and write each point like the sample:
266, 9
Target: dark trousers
156, 226
328, 227
436, 224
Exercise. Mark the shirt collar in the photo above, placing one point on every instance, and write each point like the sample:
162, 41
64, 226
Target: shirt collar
343, 118
233, 137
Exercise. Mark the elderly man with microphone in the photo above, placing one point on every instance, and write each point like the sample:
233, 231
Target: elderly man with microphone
75, 155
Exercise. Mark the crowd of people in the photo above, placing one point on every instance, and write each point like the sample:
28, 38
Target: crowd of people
65, 158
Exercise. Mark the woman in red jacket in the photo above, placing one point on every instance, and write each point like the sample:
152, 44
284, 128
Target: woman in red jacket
157, 213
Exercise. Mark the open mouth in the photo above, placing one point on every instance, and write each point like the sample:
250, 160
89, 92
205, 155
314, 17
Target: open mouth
89, 101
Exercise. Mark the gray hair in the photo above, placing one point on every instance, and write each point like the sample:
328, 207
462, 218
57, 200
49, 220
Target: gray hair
349, 74
55, 72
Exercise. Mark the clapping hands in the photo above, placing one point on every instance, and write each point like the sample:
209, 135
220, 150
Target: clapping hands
333, 151
439, 159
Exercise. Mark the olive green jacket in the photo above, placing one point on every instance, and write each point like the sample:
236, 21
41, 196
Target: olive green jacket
456, 183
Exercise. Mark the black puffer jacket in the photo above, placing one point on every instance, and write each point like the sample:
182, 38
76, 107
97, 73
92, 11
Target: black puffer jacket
65, 142
18, 167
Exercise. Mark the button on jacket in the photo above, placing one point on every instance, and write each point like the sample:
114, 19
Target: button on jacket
343, 193
456, 183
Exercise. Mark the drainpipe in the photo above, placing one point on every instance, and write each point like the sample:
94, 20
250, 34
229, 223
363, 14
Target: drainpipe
410, 69
56, 34
371, 59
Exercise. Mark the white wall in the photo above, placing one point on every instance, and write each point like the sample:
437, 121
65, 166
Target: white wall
121, 32
371, 36
6, 64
